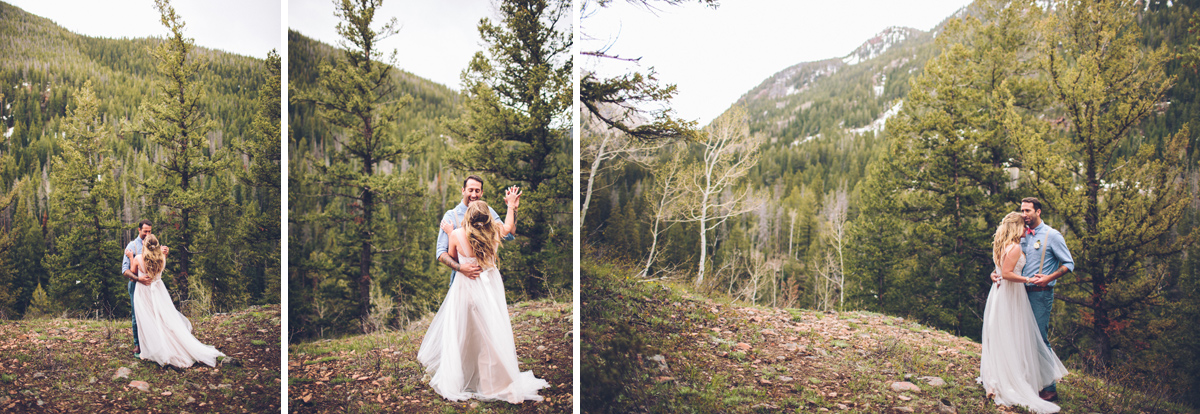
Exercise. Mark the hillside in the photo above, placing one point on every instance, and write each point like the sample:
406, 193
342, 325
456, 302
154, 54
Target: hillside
42, 68
379, 371
661, 347
68, 365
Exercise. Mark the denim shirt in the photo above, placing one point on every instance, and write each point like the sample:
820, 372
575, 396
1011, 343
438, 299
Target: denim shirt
134, 246
455, 217
1057, 255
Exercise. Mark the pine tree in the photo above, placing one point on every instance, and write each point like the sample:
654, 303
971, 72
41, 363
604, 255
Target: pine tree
950, 153
176, 121
259, 229
1121, 210
83, 213
358, 95
518, 95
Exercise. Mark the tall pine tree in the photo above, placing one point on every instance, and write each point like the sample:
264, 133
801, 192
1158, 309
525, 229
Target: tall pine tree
1121, 209
358, 95
83, 206
177, 123
518, 99
950, 154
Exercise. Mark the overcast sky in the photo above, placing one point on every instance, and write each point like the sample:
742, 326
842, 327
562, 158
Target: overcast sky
245, 27
715, 56
436, 40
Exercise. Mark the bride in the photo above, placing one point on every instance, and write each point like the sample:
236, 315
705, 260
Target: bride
164, 333
1015, 363
469, 351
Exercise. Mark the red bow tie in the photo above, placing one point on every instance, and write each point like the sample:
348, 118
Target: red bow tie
1029, 231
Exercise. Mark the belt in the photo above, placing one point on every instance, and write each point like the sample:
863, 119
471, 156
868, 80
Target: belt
1038, 288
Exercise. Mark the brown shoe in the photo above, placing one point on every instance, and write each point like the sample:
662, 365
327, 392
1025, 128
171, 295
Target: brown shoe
1048, 395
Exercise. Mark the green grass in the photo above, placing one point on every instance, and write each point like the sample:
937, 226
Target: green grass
258, 342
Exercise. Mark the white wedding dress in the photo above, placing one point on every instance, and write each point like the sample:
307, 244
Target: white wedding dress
1016, 364
164, 333
468, 351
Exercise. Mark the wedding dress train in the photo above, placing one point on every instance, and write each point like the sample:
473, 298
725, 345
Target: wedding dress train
1015, 363
164, 333
469, 351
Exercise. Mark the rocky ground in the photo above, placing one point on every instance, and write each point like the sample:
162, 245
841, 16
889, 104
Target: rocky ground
653, 347
378, 372
84, 365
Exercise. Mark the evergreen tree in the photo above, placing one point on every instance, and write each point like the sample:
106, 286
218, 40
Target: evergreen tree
9, 294
1121, 210
949, 154
518, 95
259, 229
83, 207
357, 95
176, 121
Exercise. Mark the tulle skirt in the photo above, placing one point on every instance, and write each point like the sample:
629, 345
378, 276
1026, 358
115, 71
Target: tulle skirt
1016, 364
469, 352
164, 333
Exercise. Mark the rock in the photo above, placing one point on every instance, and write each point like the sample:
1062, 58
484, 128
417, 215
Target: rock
122, 372
905, 410
768, 332
91, 380
661, 360
166, 394
933, 381
842, 407
902, 386
40, 402
230, 361
946, 407
141, 385
541, 347
781, 358
742, 346
764, 406
905, 398
785, 378
664, 379
190, 400
765, 382
37, 375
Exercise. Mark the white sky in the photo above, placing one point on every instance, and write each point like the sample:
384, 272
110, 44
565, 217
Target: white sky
245, 27
715, 56
436, 41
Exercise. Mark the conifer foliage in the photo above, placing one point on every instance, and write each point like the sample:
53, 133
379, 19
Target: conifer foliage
355, 95
517, 99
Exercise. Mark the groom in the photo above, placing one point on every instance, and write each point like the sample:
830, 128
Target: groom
132, 249
1040, 242
472, 190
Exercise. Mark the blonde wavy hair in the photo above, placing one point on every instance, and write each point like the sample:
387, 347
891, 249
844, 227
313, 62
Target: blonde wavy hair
152, 256
483, 234
1011, 228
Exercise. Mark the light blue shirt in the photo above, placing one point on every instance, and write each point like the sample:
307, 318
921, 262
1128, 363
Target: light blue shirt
1057, 255
135, 246
455, 217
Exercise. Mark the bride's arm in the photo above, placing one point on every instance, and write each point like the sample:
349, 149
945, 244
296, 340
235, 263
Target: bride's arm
1009, 264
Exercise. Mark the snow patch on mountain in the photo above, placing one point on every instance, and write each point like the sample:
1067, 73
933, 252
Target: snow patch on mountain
879, 123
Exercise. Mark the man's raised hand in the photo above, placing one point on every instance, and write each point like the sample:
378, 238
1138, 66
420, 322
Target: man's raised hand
512, 197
